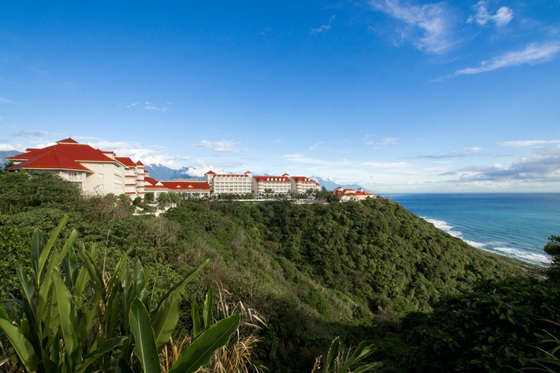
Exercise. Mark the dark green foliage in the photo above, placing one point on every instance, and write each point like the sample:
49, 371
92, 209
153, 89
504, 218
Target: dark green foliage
490, 328
315, 271
320, 270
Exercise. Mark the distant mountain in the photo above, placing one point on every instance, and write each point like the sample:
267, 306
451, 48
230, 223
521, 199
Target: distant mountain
6, 154
330, 184
159, 172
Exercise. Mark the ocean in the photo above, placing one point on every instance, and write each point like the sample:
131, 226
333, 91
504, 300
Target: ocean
512, 224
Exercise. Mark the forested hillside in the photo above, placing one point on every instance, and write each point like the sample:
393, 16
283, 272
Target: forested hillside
362, 270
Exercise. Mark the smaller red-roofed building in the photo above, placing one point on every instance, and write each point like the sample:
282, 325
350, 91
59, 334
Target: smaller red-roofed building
188, 189
263, 185
350, 194
238, 184
155, 187
134, 177
303, 184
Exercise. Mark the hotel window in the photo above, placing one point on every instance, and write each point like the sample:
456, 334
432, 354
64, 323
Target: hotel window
73, 176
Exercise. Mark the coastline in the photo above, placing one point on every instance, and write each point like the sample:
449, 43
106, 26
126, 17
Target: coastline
516, 225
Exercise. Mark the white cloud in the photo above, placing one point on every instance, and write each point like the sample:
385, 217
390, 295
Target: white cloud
323, 28
7, 147
466, 152
224, 146
139, 153
151, 107
33, 134
369, 140
147, 105
503, 15
543, 165
530, 55
525, 143
298, 158
429, 26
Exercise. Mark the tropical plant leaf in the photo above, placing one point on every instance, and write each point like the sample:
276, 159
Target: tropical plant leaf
182, 283
107, 346
332, 354
201, 350
21, 345
165, 320
67, 318
44, 253
196, 320
207, 309
144, 342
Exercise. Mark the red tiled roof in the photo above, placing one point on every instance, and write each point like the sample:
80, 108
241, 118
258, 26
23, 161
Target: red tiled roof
140, 164
66, 154
71, 151
210, 173
150, 180
126, 161
51, 160
186, 185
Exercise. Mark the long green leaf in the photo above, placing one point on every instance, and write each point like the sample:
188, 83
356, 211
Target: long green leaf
36, 253
94, 272
207, 309
178, 286
68, 322
332, 354
47, 249
165, 320
202, 349
196, 320
144, 342
107, 346
21, 345
140, 277
29, 305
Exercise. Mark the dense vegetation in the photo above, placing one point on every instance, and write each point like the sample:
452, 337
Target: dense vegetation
362, 271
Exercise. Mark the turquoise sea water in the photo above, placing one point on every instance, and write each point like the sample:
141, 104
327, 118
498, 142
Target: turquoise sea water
513, 224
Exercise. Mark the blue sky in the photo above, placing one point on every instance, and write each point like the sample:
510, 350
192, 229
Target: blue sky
395, 95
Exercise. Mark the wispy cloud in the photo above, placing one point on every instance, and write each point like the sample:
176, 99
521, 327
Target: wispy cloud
474, 150
369, 140
224, 146
482, 16
428, 26
318, 145
33, 134
324, 27
299, 158
147, 105
4, 119
542, 165
531, 55
152, 107
8, 147
526, 143
137, 152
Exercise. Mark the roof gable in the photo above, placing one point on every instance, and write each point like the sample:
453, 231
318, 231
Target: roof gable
51, 160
